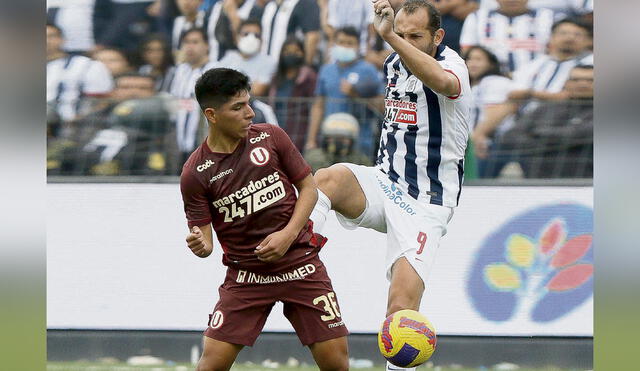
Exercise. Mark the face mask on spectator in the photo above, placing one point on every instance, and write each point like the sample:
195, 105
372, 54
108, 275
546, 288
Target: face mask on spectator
292, 60
249, 45
343, 54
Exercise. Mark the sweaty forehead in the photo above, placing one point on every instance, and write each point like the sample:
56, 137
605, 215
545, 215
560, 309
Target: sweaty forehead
418, 21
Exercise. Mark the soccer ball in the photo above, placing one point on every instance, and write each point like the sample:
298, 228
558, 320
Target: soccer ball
407, 338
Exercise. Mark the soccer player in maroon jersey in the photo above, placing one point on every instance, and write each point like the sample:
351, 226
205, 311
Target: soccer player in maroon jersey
241, 181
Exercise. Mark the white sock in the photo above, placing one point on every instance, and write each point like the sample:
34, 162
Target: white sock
319, 214
391, 367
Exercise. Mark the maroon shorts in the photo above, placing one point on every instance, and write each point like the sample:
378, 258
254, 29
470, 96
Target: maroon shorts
246, 300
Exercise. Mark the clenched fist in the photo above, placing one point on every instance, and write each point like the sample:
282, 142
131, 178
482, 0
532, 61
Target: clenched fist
384, 15
197, 244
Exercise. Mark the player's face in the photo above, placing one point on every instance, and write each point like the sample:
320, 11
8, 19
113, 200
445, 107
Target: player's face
194, 48
477, 63
234, 117
413, 28
54, 41
570, 39
580, 83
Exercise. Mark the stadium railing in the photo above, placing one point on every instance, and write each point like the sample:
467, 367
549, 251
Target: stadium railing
135, 140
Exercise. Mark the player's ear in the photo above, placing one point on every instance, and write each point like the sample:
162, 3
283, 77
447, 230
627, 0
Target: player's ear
210, 114
438, 36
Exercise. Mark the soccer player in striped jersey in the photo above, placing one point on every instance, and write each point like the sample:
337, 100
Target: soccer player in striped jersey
415, 185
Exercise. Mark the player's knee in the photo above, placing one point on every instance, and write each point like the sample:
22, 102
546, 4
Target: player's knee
324, 179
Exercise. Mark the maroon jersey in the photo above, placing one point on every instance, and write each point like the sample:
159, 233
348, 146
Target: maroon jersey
247, 195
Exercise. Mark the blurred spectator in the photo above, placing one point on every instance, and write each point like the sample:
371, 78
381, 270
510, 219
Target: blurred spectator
339, 133
355, 13
157, 61
544, 78
115, 60
167, 12
339, 86
248, 59
291, 90
131, 135
75, 19
561, 8
490, 89
71, 78
224, 21
557, 137
264, 112
280, 18
122, 23
190, 17
195, 49
514, 32
541, 79
454, 12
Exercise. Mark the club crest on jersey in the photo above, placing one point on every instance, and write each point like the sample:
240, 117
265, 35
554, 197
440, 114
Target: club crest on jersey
259, 156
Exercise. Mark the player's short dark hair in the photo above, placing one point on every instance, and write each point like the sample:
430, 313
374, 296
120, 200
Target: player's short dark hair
199, 31
218, 85
55, 27
435, 19
573, 21
250, 21
349, 31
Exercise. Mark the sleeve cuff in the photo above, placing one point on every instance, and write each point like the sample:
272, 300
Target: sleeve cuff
198, 223
454, 97
302, 175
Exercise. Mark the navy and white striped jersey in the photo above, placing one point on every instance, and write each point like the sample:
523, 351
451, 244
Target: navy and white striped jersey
514, 40
289, 17
188, 115
182, 25
546, 73
561, 8
71, 78
491, 90
217, 51
424, 134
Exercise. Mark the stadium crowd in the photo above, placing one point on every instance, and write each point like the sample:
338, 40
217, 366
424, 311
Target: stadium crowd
121, 77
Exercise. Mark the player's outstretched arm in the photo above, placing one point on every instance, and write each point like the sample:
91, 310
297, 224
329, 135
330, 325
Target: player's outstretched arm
200, 240
422, 65
276, 244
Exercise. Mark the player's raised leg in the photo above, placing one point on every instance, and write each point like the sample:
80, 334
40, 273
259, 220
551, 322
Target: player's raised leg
331, 355
218, 355
338, 189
